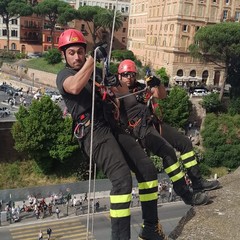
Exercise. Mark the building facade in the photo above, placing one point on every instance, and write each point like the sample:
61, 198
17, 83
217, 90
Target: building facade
31, 34
160, 32
120, 36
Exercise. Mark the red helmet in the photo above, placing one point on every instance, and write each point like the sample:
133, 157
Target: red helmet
71, 36
127, 66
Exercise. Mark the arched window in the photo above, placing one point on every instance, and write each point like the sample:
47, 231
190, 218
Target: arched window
205, 75
180, 73
193, 73
13, 46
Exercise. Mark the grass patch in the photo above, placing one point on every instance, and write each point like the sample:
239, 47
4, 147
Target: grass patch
22, 174
42, 65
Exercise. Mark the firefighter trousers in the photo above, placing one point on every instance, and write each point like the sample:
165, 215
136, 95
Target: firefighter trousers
109, 157
156, 144
183, 144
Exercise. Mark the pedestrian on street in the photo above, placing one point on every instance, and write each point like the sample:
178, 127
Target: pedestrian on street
40, 235
116, 153
49, 232
57, 210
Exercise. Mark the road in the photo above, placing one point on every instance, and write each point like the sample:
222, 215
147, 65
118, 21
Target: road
75, 227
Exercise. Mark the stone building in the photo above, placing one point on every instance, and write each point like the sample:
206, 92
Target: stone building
160, 32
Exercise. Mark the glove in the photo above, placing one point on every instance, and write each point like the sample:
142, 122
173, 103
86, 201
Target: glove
153, 81
111, 81
101, 51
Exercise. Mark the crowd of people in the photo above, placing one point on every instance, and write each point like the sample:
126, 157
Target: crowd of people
125, 127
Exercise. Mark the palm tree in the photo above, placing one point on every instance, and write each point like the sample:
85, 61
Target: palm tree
107, 19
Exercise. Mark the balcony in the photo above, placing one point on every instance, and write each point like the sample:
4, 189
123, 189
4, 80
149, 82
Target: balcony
33, 27
30, 40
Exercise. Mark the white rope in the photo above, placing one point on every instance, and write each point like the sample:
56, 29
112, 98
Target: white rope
113, 29
91, 143
92, 124
93, 203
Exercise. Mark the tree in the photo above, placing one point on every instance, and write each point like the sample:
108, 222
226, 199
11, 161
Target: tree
43, 134
163, 76
221, 140
55, 11
53, 56
220, 44
12, 10
92, 15
211, 103
175, 109
107, 19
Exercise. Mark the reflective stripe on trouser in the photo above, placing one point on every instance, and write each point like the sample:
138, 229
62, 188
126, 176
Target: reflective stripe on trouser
108, 157
146, 175
148, 195
174, 172
120, 216
188, 159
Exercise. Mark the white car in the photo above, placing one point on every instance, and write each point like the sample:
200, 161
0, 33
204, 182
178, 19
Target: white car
56, 98
200, 92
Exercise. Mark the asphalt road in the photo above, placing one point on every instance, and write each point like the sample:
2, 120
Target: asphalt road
75, 227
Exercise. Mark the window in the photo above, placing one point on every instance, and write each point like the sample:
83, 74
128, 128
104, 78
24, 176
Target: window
225, 14
123, 39
124, 30
49, 39
237, 16
14, 33
193, 73
13, 46
83, 27
197, 28
185, 28
4, 32
180, 73
14, 22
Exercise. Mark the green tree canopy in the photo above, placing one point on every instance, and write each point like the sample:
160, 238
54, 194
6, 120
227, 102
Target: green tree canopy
55, 11
221, 140
163, 76
220, 44
12, 10
211, 103
92, 15
44, 134
175, 109
107, 19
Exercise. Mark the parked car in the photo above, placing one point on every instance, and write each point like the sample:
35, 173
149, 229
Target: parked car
200, 92
56, 98
5, 87
4, 112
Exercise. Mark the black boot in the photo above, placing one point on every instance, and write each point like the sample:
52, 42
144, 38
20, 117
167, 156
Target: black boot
199, 183
152, 232
195, 198
205, 185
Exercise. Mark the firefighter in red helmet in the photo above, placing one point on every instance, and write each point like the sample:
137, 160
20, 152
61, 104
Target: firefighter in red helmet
110, 147
163, 140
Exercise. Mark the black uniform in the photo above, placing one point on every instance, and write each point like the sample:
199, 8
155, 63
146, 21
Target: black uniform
116, 154
140, 121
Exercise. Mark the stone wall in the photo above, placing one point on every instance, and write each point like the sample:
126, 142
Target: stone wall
22, 72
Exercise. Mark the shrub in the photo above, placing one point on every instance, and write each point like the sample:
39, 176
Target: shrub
53, 56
